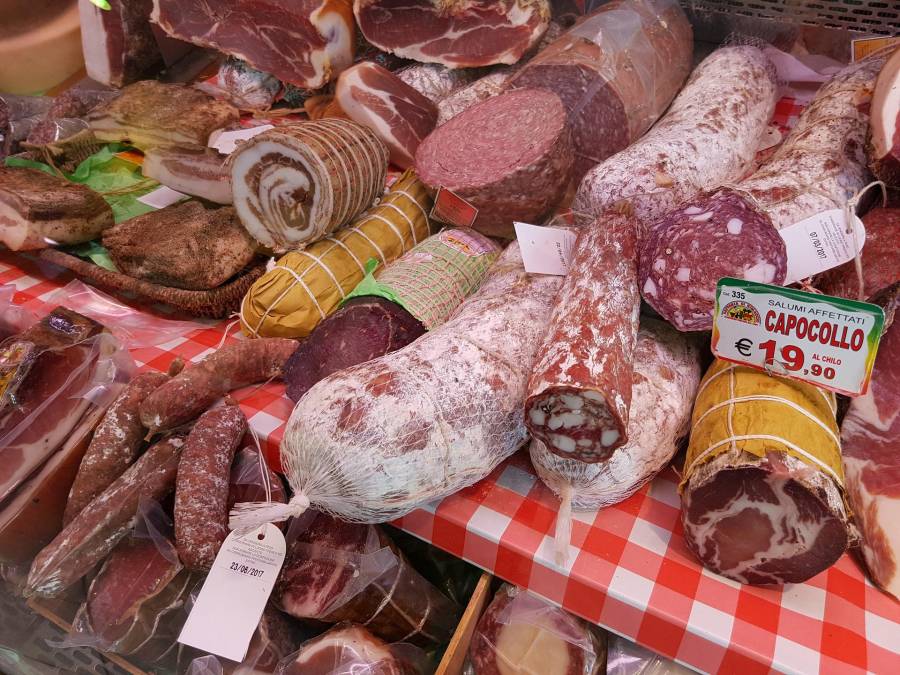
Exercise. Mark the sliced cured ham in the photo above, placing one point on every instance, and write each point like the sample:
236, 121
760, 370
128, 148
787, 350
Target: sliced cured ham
456, 34
347, 648
870, 434
150, 113
298, 183
884, 130
304, 42
398, 114
38, 210
200, 172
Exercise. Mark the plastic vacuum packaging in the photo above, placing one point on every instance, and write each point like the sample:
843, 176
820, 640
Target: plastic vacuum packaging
337, 571
624, 657
520, 633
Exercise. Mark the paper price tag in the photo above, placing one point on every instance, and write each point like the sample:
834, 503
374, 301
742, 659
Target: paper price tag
231, 602
227, 141
545, 250
162, 197
452, 209
819, 243
827, 341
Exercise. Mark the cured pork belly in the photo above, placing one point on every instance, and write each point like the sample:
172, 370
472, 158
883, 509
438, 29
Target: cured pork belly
199, 172
38, 210
304, 42
149, 113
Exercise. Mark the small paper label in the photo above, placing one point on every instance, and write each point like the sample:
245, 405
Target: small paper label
227, 141
862, 47
231, 602
819, 243
545, 250
827, 341
162, 197
452, 209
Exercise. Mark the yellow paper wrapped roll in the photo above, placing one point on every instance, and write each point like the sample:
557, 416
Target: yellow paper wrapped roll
306, 286
762, 490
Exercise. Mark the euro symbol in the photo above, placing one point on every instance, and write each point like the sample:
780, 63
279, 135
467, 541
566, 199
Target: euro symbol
744, 345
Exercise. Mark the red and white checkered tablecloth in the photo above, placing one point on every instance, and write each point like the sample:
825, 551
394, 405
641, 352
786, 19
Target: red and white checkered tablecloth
628, 569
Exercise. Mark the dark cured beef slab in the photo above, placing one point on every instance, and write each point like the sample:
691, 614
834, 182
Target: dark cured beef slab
363, 329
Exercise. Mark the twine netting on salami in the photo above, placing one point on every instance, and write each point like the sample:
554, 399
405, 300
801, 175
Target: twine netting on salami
371, 443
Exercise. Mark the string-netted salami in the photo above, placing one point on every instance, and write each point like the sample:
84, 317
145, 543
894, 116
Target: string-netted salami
708, 137
373, 442
734, 231
298, 183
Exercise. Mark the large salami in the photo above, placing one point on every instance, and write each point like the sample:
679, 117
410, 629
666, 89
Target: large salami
580, 388
665, 379
708, 137
372, 442
734, 231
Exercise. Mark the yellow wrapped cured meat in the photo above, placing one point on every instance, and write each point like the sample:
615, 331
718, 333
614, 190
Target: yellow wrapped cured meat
762, 490
306, 286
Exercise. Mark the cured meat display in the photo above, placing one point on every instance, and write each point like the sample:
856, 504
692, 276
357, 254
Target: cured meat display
200, 172
417, 292
338, 571
118, 42
306, 286
456, 34
880, 268
298, 183
150, 113
434, 81
524, 152
38, 210
372, 442
664, 382
884, 129
708, 137
870, 438
579, 391
348, 649
520, 633
182, 246
615, 71
398, 114
305, 42
819, 167
762, 493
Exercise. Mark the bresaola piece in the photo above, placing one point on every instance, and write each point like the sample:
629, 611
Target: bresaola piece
884, 127
520, 633
337, 571
348, 648
200, 172
150, 113
398, 114
664, 382
118, 42
456, 34
524, 151
304, 42
734, 231
615, 71
870, 437
579, 391
38, 210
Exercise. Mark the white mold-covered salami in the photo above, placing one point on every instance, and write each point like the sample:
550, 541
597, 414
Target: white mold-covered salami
734, 231
479, 90
665, 379
708, 137
372, 442
434, 81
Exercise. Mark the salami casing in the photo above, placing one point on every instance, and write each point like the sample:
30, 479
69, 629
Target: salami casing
580, 388
371, 443
665, 379
734, 231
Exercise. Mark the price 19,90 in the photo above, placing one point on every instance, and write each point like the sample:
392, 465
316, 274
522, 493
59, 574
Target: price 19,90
793, 359
246, 569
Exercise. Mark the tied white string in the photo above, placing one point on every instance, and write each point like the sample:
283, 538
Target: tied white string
850, 218
235, 321
248, 516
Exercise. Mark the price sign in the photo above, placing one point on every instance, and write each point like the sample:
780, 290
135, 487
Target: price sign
827, 341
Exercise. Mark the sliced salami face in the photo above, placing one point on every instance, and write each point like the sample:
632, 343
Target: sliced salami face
691, 248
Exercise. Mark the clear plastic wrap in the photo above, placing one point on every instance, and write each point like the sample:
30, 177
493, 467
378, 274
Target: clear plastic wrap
520, 633
627, 658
